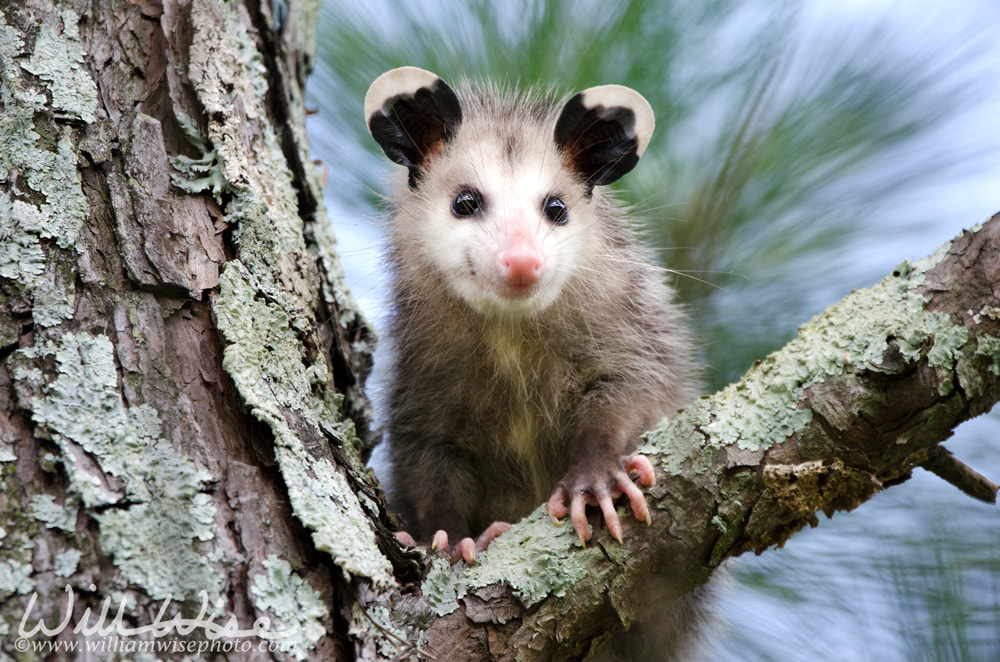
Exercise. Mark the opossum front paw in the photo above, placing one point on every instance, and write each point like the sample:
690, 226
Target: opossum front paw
600, 485
467, 548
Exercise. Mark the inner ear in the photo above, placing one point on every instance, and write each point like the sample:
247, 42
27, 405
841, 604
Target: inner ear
412, 114
603, 131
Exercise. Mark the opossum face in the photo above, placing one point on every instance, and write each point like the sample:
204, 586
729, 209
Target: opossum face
504, 233
500, 202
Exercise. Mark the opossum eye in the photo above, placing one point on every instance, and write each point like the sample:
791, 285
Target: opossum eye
555, 210
467, 203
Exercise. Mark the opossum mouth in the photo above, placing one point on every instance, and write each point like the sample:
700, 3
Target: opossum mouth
503, 298
518, 290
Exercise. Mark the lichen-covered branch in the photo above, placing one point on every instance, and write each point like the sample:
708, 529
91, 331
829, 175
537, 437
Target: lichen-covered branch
861, 397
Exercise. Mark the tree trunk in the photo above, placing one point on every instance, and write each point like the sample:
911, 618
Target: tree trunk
181, 362
181, 374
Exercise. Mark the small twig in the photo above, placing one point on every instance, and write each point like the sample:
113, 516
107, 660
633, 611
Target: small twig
408, 647
946, 466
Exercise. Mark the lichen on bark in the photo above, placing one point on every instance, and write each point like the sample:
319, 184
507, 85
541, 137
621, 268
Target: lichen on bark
154, 509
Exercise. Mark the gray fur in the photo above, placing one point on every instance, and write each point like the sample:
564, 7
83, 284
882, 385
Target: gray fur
609, 355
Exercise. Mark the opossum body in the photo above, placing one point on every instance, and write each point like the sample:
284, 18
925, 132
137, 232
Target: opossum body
532, 342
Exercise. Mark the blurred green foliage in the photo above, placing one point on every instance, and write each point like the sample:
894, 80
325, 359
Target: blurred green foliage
766, 151
781, 144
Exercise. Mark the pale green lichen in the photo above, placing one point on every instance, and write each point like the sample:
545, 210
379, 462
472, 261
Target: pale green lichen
265, 352
218, 68
249, 57
21, 256
989, 347
225, 63
762, 408
265, 360
341, 526
22, 150
55, 516
535, 557
66, 562
151, 526
52, 305
153, 543
58, 60
948, 343
41, 196
202, 174
57, 178
298, 608
444, 586
15, 577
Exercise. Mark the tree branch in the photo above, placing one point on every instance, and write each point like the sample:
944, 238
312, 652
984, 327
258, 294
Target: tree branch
946, 466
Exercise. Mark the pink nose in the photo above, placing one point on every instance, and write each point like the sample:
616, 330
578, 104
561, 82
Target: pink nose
520, 265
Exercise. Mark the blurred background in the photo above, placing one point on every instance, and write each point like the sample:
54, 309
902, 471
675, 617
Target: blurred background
802, 150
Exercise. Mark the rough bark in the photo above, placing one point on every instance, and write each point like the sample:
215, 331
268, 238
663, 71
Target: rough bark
181, 363
181, 372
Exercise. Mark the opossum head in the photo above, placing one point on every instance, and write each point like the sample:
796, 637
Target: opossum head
500, 203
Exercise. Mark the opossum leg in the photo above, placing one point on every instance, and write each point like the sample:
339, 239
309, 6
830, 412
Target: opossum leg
600, 485
467, 548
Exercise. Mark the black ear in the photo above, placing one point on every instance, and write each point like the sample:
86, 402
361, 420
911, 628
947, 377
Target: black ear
412, 113
603, 131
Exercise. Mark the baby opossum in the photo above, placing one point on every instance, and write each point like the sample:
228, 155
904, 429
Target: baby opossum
532, 340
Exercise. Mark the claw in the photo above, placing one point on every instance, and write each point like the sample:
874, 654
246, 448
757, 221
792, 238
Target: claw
465, 550
642, 467
578, 510
440, 541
